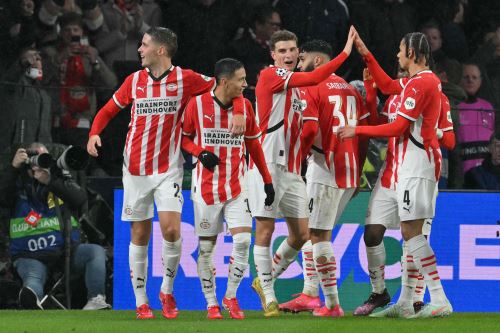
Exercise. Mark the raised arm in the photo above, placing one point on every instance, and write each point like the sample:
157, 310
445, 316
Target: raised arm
321, 73
385, 83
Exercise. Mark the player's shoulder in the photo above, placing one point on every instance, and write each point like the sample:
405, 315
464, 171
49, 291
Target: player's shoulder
190, 74
273, 71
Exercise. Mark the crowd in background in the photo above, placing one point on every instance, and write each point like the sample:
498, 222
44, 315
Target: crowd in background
61, 60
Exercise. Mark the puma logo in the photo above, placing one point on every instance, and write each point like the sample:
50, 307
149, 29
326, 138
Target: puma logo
140, 88
407, 208
170, 273
209, 117
140, 279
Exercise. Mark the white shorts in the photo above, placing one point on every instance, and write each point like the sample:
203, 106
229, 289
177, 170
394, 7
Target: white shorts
290, 199
416, 198
140, 193
326, 204
383, 207
209, 219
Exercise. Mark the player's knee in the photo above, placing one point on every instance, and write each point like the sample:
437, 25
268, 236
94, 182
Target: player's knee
373, 236
264, 235
242, 240
171, 232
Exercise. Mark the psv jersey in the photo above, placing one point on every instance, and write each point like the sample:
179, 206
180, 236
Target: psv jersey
153, 140
208, 121
279, 116
334, 103
419, 155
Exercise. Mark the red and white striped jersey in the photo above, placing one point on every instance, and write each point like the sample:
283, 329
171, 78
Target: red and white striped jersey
335, 103
208, 121
279, 115
388, 172
419, 155
153, 140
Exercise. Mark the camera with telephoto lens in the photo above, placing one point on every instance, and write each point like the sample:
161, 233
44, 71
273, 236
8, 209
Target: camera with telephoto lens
72, 159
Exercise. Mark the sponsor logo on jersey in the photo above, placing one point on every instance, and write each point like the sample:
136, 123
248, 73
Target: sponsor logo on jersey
220, 137
155, 106
410, 103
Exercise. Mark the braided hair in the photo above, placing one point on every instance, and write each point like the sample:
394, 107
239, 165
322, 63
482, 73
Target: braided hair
418, 42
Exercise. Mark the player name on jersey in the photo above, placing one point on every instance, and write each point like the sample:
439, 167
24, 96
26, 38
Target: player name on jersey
220, 137
156, 106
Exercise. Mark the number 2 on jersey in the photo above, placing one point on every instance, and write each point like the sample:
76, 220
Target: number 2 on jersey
350, 111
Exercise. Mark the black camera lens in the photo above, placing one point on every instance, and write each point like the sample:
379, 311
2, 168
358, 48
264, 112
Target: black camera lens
43, 161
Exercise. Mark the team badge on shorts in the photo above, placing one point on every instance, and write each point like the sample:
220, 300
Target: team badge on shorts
204, 224
128, 210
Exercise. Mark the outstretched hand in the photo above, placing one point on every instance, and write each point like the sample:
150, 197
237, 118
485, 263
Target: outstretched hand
360, 45
92, 145
350, 40
346, 132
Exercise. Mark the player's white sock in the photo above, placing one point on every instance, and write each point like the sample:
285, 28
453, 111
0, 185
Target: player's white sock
326, 268
206, 271
284, 256
238, 262
263, 264
425, 260
418, 295
311, 281
138, 262
171, 255
409, 277
376, 267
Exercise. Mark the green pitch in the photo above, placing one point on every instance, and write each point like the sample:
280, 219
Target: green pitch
194, 321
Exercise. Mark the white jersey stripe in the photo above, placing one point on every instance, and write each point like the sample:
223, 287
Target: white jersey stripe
145, 134
347, 170
133, 122
217, 124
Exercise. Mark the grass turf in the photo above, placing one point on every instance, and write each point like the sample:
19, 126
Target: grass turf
194, 321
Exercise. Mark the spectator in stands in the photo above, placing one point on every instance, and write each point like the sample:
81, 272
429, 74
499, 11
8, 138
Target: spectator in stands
125, 21
326, 20
433, 33
477, 119
487, 175
26, 105
252, 47
17, 29
488, 57
449, 72
382, 24
36, 238
204, 29
76, 67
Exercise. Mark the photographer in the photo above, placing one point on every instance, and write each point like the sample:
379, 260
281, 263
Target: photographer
36, 233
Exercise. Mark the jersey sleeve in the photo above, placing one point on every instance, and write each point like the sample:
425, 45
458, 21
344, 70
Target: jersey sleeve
413, 96
309, 104
363, 112
252, 130
275, 79
123, 96
445, 123
198, 83
189, 119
